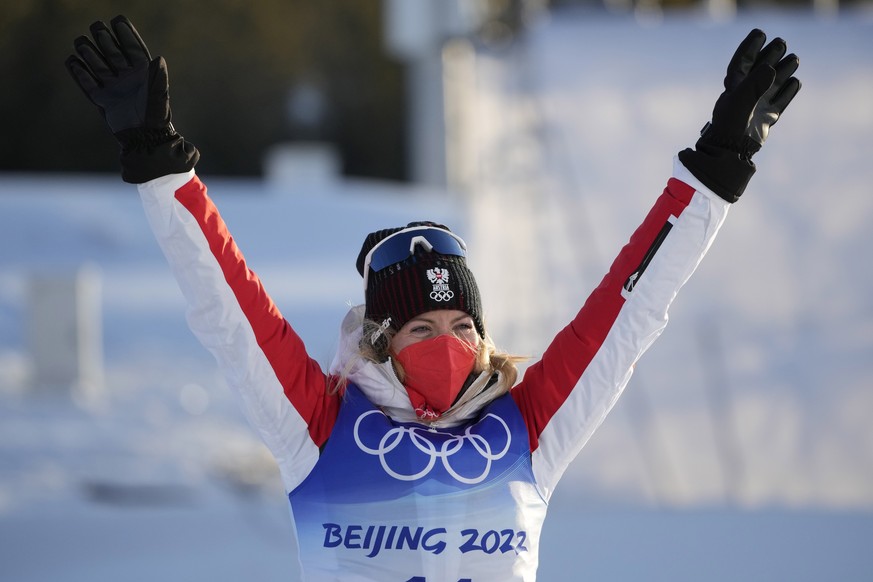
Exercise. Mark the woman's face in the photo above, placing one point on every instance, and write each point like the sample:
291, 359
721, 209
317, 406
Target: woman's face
432, 324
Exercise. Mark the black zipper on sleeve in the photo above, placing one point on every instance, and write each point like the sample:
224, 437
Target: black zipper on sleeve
634, 278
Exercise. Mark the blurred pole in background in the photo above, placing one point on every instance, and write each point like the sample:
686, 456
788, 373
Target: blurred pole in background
826, 8
721, 10
65, 334
417, 32
414, 33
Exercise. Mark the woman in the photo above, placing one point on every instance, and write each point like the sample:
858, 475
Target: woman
418, 456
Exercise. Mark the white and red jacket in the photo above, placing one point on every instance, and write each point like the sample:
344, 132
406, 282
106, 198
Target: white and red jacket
375, 495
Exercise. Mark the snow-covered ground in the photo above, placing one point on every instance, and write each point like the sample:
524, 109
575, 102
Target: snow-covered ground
742, 450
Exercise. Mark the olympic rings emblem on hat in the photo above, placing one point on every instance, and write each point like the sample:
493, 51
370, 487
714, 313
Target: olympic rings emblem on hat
433, 450
438, 295
439, 277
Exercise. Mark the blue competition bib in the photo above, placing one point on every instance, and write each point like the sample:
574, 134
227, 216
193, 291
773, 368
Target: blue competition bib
396, 502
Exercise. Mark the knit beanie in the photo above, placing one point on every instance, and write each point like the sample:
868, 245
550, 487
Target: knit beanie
420, 282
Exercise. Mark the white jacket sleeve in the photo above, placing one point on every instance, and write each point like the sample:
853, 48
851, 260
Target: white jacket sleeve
567, 394
282, 390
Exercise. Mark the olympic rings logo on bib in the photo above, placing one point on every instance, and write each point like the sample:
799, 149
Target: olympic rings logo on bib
439, 278
432, 449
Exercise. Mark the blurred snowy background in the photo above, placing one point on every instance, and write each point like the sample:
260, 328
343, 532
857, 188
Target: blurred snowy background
742, 449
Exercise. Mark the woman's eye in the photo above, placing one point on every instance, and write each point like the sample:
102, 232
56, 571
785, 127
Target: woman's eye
421, 329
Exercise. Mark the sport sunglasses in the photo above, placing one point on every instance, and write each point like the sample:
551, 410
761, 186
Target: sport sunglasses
401, 245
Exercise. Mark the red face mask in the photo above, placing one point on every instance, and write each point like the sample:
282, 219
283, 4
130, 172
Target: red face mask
436, 369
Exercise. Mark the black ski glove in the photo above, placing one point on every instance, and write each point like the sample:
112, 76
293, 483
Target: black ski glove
757, 88
132, 91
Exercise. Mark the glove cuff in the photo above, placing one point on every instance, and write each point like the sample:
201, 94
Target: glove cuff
723, 171
147, 154
744, 145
